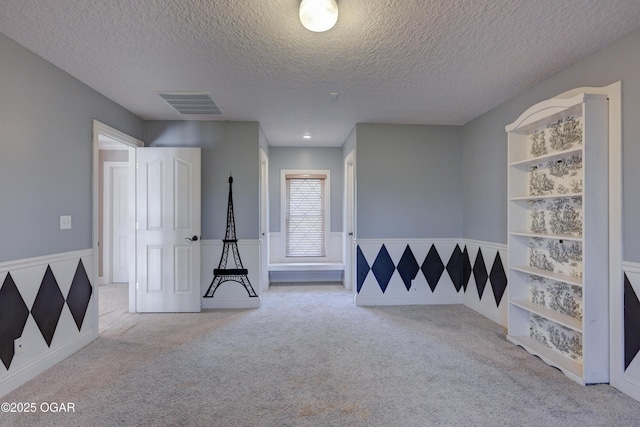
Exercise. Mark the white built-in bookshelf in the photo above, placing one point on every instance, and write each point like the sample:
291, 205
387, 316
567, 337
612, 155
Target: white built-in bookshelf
558, 235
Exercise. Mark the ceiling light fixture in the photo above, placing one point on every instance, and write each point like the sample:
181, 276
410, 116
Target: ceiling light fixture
306, 136
318, 15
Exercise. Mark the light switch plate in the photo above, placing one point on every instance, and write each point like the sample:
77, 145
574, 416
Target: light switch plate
65, 222
18, 346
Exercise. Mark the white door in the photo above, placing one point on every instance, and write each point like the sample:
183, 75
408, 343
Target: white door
168, 230
120, 224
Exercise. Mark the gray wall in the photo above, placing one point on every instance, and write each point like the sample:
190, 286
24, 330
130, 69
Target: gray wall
228, 148
484, 173
46, 154
485, 143
306, 158
350, 143
408, 181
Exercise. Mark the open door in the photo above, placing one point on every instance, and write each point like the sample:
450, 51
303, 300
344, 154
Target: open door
168, 230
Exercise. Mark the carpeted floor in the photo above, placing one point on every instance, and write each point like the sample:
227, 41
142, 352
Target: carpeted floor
310, 357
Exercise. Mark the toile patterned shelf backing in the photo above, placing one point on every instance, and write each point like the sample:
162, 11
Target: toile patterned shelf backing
556, 177
556, 337
559, 136
556, 255
561, 297
556, 216
561, 215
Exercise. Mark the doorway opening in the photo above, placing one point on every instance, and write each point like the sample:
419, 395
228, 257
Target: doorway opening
114, 158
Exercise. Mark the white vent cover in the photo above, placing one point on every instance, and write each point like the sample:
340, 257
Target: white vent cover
192, 102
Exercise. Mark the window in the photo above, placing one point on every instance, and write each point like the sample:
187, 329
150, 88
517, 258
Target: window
305, 208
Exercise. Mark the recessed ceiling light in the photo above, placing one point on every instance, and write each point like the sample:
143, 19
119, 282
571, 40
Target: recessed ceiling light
306, 136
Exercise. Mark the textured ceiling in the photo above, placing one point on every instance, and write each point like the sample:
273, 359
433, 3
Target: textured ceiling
390, 61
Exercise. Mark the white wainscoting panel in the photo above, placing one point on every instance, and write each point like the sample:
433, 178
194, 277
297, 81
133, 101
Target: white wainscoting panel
487, 296
625, 373
53, 308
405, 272
433, 271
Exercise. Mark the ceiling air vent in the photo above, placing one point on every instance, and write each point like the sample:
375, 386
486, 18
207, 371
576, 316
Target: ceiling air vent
192, 102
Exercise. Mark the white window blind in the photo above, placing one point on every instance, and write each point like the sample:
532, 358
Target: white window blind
305, 215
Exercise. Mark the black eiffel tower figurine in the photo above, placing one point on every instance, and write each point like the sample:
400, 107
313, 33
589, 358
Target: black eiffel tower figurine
222, 273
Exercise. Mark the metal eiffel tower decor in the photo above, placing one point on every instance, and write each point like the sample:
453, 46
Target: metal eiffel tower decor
222, 273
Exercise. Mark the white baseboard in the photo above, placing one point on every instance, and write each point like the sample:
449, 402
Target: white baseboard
44, 362
211, 303
416, 300
629, 387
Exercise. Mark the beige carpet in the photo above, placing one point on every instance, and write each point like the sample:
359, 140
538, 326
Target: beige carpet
309, 357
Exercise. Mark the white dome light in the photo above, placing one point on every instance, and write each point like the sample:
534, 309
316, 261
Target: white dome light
318, 15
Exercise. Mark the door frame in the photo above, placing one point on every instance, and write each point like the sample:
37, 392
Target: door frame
349, 219
108, 138
108, 198
264, 221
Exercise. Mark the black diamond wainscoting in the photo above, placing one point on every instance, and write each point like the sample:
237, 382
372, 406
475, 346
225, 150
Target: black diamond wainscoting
46, 305
433, 271
631, 326
625, 341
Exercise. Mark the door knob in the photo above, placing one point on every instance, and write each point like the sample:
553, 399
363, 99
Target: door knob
192, 239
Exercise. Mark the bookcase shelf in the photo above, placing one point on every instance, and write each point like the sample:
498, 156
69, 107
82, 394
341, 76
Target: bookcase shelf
526, 163
559, 318
547, 236
543, 197
557, 235
575, 281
